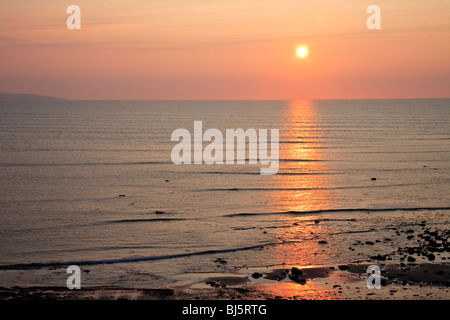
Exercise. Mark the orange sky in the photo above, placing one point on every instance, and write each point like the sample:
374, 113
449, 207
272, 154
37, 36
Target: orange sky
225, 49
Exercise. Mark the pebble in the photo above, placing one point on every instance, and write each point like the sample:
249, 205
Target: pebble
220, 261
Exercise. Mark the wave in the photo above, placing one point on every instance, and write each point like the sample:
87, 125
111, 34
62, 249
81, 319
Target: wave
258, 173
58, 264
310, 212
83, 164
61, 264
308, 189
144, 220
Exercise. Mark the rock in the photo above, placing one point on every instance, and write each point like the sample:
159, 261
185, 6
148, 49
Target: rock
298, 280
431, 257
343, 267
159, 212
373, 179
323, 242
296, 271
411, 259
370, 243
220, 261
257, 275
316, 221
121, 195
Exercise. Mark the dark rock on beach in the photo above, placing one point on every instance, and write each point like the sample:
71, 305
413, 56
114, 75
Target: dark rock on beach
220, 260
256, 275
379, 257
297, 279
296, 272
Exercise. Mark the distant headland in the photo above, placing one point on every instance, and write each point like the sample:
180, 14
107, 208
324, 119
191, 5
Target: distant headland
27, 97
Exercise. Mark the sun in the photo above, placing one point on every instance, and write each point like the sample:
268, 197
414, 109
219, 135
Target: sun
302, 51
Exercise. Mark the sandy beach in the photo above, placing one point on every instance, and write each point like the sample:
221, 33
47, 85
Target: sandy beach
417, 271
422, 282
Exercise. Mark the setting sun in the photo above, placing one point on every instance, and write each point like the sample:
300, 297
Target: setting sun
302, 51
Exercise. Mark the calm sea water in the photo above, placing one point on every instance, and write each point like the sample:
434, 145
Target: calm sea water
93, 182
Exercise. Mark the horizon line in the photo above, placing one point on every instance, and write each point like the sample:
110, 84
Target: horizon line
55, 98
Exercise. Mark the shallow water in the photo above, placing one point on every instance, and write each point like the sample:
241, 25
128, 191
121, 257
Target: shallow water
90, 182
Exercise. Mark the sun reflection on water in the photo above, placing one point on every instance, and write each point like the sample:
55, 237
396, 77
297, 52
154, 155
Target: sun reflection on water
302, 178
302, 187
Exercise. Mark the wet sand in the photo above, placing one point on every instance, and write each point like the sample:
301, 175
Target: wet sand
417, 281
418, 270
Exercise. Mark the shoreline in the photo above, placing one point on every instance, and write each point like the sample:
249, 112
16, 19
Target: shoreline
414, 262
427, 281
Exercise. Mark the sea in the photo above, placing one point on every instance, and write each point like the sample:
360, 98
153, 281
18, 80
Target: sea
93, 184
